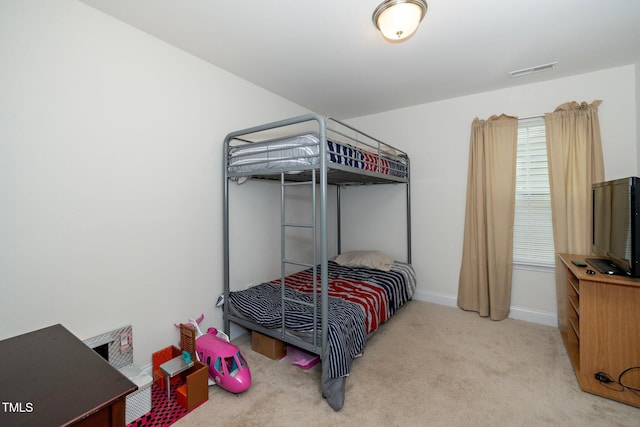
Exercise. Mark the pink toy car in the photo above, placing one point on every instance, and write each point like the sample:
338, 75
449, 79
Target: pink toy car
227, 366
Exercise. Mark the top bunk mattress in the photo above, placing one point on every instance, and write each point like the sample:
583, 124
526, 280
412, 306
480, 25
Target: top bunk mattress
301, 152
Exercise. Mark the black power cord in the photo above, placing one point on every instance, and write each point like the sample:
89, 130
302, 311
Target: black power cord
633, 389
607, 381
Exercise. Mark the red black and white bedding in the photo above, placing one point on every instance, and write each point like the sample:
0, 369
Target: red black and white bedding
360, 300
302, 150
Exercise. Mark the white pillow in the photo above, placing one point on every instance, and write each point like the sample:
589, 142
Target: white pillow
370, 259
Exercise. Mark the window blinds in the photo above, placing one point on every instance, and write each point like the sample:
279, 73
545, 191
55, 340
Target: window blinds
533, 232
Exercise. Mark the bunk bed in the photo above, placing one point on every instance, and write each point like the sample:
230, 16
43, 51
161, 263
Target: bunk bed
329, 305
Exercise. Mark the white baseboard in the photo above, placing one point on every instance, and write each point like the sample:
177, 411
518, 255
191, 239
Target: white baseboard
534, 316
436, 298
519, 313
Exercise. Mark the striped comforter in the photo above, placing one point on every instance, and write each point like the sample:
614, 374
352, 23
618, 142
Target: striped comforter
345, 154
360, 300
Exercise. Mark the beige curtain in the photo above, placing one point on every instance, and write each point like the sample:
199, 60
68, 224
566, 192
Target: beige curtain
574, 151
487, 255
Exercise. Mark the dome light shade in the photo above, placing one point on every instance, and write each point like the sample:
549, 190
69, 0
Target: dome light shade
399, 19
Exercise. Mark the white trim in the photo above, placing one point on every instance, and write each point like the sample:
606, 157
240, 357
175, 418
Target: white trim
534, 316
517, 313
436, 298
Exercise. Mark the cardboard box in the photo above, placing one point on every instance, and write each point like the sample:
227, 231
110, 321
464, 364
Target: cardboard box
270, 347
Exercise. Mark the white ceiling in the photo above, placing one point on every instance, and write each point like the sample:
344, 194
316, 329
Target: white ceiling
327, 56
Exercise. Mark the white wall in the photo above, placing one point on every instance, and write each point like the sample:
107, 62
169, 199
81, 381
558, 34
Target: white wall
436, 135
110, 175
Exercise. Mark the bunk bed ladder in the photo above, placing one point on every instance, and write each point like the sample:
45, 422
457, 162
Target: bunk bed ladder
312, 227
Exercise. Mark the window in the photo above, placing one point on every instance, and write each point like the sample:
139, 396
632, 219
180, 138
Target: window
533, 232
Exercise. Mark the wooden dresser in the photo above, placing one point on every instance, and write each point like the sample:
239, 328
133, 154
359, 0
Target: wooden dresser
603, 333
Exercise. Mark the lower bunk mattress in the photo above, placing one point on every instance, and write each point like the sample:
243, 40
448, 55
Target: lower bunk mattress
360, 300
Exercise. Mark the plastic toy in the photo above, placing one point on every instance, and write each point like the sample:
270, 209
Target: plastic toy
227, 367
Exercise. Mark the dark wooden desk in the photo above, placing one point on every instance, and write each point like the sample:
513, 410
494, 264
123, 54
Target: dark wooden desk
49, 377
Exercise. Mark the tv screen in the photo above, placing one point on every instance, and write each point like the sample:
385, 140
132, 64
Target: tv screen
615, 219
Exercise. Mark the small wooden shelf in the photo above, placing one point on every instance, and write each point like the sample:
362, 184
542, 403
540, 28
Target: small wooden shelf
573, 351
574, 285
603, 333
575, 304
195, 391
574, 323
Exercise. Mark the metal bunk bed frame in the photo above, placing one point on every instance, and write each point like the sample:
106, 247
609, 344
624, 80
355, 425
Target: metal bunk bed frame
328, 173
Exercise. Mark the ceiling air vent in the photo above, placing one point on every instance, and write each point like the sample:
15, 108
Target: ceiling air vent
531, 70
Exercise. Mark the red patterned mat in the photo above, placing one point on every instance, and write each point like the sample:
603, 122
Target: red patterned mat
164, 412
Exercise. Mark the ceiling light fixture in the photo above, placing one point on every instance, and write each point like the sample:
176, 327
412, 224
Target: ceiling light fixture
399, 19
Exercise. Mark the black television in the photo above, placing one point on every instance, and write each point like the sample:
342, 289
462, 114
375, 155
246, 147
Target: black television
616, 227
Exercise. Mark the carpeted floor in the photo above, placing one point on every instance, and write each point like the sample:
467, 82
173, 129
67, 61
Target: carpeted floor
429, 365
